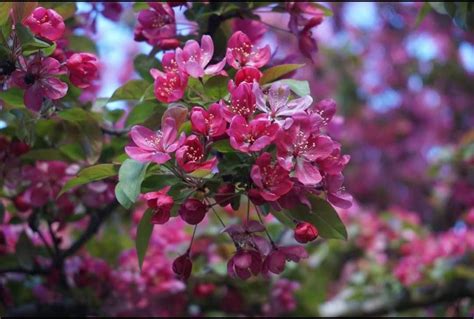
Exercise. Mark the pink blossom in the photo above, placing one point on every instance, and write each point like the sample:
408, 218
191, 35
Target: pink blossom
149, 146
272, 180
192, 211
169, 62
156, 25
247, 74
194, 59
244, 263
241, 52
246, 234
169, 86
112, 10
161, 204
336, 192
40, 81
277, 105
305, 232
190, 156
83, 69
46, 23
242, 102
210, 122
275, 261
253, 136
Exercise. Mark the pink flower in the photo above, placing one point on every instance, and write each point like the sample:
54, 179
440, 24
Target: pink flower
244, 263
241, 52
182, 266
40, 82
336, 192
246, 235
278, 106
170, 86
190, 156
242, 102
112, 10
325, 108
161, 205
192, 211
83, 69
275, 261
247, 74
193, 58
253, 136
254, 29
305, 232
301, 146
272, 180
334, 163
210, 122
46, 23
152, 146
156, 25
169, 62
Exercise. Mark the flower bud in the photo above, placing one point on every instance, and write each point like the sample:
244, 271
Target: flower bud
305, 232
46, 23
83, 69
182, 266
192, 211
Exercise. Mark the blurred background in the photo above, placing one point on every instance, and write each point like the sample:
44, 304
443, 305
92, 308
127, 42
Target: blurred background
404, 86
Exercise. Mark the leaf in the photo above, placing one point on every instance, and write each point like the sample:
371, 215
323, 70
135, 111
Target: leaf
131, 176
23, 9
301, 88
223, 146
132, 90
65, 9
5, 11
283, 218
216, 87
80, 43
13, 97
425, 9
186, 127
121, 197
144, 230
323, 216
143, 63
327, 12
25, 252
90, 174
141, 112
278, 71
138, 6
29, 43
156, 182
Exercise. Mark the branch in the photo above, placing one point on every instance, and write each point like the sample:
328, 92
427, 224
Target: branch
19, 270
425, 296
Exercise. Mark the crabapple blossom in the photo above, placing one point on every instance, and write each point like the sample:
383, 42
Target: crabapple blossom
241, 52
253, 136
275, 261
46, 23
244, 264
208, 122
193, 211
83, 69
190, 156
242, 102
169, 86
161, 205
157, 26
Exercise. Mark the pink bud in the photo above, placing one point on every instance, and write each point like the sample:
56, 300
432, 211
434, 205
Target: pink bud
192, 211
46, 23
182, 266
83, 69
305, 232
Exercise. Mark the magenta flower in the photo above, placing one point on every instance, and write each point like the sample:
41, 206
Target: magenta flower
275, 261
193, 58
83, 69
299, 146
210, 122
336, 192
241, 52
169, 62
272, 180
156, 24
253, 136
46, 23
246, 234
169, 86
40, 82
182, 266
152, 146
192, 211
190, 156
305, 232
334, 163
276, 104
242, 102
161, 204
244, 263
247, 74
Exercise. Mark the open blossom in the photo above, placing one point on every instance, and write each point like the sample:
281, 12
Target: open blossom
169, 62
208, 122
194, 59
336, 192
83, 69
242, 102
156, 25
152, 146
190, 156
246, 234
169, 86
241, 52
244, 263
299, 146
161, 204
275, 261
276, 104
272, 180
46, 23
39, 81
253, 136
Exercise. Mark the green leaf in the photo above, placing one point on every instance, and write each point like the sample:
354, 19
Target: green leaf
121, 197
29, 43
327, 12
425, 9
80, 43
132, 90
278, 71
90, 174
323, 216
143, 63
283, 218
5, 11
131, 175
13, 97
301, 88
25, 252
186, 127
216, 87
73, 151
141, 112
65, 9
223, 146
144, 230
156, 182
45, 154
139, 6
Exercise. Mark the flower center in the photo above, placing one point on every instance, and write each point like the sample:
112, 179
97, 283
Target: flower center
29, 78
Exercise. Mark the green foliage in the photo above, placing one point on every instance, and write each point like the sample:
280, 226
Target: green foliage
13, 97
131, 175
276, 72
25, 252
132, 90
223, 146
4, 12
301, 88
29, 43
216, 87
90, 174
81, 43
143, 63
144, 230
142, 111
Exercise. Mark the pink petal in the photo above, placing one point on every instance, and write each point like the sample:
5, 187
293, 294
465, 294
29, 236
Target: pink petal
207, 50
215, 68
307, 173
144, 138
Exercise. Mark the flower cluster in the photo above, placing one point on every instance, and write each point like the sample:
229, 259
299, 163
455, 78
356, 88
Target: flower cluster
278, 137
